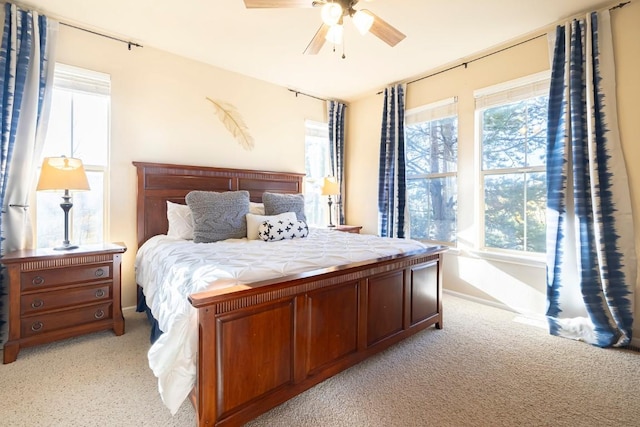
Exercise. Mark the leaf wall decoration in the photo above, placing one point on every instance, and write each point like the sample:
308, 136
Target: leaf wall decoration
231, 119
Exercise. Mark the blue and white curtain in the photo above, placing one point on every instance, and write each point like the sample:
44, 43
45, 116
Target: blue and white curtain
591, 259
336, 113
393, 213
26, 76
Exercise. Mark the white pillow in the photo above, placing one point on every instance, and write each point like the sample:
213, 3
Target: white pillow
254, 221
180, 221
272, 230
256, 208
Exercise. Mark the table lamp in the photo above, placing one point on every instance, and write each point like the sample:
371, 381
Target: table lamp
330, 188
63, 173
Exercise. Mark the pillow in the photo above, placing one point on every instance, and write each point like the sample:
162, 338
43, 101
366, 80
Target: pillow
218, 216
275, 203
254, 221
256, 208
272, 229
180, 221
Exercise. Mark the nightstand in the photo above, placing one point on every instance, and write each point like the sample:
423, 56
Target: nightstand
349, 228
55, 294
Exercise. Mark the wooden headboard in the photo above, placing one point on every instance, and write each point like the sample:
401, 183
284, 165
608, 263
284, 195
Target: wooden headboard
159, 183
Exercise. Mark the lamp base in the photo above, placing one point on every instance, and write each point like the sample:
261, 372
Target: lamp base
65, 247
331, 226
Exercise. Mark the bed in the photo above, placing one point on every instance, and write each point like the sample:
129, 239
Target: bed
259, 343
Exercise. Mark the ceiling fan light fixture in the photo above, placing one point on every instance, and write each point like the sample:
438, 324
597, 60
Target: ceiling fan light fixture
363, 20
331, 13
334, 35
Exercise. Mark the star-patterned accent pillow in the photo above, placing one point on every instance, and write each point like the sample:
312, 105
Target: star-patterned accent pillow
281, 229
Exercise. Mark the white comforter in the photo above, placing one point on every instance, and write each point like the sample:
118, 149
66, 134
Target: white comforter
169, 270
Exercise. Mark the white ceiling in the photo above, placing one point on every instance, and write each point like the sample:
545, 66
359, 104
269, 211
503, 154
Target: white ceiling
268, 43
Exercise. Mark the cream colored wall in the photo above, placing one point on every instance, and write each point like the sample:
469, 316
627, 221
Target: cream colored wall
159, 114
520, 286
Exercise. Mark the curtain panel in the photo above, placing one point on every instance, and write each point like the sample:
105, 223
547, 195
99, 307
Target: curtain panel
393, 214
591, 259
336, 113
26, 76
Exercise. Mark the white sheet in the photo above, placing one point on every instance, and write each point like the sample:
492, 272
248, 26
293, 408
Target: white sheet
169, 270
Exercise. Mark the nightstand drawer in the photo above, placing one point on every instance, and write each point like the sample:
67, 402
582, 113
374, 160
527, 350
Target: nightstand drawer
42, 301
32, 280
34, 325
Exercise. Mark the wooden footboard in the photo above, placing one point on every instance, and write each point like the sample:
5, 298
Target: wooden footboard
262, 344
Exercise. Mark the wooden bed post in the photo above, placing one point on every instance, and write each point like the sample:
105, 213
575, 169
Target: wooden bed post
206, 397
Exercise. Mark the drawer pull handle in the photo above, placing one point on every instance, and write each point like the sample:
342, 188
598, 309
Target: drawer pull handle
36, 326
37, 303
99, 314
99, 293
37, 281
99, 272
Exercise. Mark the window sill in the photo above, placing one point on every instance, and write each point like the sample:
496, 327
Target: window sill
525, 260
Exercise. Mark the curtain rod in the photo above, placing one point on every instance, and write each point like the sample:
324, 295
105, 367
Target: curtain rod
297, 92
127, 42
26, 7
466, 63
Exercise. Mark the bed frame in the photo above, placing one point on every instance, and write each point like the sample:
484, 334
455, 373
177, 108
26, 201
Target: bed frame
264, 343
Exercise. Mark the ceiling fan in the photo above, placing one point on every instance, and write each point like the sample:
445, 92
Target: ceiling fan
333, 13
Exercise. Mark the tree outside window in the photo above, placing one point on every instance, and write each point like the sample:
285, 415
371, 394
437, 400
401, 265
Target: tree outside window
513, 147
431, 165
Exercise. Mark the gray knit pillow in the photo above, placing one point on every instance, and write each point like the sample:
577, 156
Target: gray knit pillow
276, 203
218, 216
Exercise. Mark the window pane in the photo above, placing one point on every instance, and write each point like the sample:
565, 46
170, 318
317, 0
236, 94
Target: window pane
432, 147
536, 212
88, 211
90, 128
58, 141
317, 167
514, 135
504, 218
86, 217
537, 131
504, 136
432, 208
78, 127
50, 218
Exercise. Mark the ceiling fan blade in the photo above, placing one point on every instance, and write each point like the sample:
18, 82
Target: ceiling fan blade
317, 41
264, 4
385, 31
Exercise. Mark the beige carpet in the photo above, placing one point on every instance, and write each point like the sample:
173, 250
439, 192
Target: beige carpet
483, 369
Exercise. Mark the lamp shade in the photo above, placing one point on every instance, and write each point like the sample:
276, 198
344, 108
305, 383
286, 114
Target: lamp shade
334, 35
363, 20
330, 186
331, 13
62, 173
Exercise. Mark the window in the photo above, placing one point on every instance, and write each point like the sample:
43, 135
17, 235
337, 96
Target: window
431, 141
78, 127
513, 128
317, 166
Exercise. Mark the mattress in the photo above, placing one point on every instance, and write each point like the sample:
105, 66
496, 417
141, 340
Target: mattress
169, 270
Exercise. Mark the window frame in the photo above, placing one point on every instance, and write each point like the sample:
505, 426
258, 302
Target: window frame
434, 111
503, 94
316, 182
81, 80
